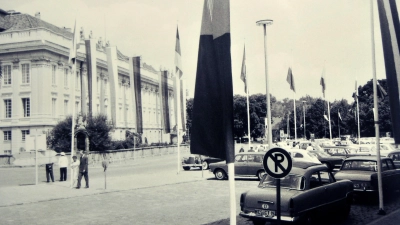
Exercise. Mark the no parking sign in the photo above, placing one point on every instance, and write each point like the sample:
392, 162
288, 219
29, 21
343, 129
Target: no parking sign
277, 163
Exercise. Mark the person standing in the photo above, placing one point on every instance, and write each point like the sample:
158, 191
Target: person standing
241, 149
49, 172
75, 170
63, 164
83, 170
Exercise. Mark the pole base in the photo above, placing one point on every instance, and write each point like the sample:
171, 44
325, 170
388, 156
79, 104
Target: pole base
381, 212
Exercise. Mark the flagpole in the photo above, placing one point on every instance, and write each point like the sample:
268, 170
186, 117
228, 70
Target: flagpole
178, 109
73, 72
376, 116
329, 117
287, 127
294, 109
358, 117
338, 123
248, 116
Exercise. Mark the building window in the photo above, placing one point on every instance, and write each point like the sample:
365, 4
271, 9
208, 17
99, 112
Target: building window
25, 74
24, 133
7, 152
53, 107
26, 102
53, 74
7, 74
77, 86
7, 106
65, 77
65, 107
7, 135
77, 110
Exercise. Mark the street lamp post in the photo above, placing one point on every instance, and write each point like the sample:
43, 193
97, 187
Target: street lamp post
304, 115
265, 23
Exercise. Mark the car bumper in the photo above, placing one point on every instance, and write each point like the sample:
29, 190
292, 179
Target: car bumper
253, 215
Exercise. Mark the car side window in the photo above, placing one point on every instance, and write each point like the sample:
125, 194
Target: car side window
298, 155
390, 165
384, 165
250, 158
238, 158
321, 178
257, 159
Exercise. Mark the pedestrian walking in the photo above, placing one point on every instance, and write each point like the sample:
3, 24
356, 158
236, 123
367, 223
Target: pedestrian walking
63, 164
75, 171
241, 149
83, 169
49, 172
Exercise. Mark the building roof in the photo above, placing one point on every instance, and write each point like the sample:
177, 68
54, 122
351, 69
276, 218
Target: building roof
13, 22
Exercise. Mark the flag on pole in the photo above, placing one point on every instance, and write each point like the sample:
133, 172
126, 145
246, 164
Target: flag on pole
72, 52
243, 75
390, 32
339, 116
179, 72
178, 63
381, 90
212, 124
322, 82
355, 93
290, 80
326, 117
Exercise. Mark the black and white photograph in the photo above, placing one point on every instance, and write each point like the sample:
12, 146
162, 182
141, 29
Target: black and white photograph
209, 112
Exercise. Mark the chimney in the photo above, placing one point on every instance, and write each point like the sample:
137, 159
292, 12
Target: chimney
37, 15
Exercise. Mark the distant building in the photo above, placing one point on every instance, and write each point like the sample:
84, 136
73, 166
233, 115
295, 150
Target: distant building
37, 88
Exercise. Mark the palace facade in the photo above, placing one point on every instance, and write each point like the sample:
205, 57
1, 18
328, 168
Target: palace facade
38, 90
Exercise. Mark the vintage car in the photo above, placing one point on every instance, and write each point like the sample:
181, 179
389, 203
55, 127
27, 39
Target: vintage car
395, 156
348, 151
332, 162
246, 164
362, 171
307, 191
302, 155
196, 161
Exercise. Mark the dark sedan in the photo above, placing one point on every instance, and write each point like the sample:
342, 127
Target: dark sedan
395, 156
246, 164
362, 171
198, 162
332, 162
310, 190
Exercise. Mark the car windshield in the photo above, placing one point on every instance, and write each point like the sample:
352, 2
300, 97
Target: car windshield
291, 181
359, 165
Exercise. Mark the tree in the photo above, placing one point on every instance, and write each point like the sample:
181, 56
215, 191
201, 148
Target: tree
59, 138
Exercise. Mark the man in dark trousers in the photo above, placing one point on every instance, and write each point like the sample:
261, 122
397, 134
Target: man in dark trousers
49, 172
83, 169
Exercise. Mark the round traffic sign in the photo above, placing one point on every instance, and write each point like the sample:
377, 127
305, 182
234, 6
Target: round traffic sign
277, 162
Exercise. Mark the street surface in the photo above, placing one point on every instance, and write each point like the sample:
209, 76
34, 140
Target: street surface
146, 191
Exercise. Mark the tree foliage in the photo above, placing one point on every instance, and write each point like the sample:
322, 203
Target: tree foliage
97, 127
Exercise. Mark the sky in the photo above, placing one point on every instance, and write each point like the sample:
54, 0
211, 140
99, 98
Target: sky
310, 36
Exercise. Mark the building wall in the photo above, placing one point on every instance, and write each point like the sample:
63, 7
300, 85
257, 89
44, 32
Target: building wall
52, 91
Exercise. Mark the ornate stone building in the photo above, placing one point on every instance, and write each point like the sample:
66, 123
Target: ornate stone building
38, 89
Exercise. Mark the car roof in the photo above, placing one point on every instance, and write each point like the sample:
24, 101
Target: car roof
252, 153
304, 168
370, 158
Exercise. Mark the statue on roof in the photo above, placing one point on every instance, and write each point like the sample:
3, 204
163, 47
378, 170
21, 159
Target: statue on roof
90, 35
107, 43
82, 34
100, 43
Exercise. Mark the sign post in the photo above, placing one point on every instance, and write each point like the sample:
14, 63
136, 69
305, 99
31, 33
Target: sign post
277, 163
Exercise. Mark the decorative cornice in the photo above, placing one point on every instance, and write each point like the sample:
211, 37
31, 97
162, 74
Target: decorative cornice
60, 63
40, 59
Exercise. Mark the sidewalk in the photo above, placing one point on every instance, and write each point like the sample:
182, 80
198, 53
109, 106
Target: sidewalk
44, 191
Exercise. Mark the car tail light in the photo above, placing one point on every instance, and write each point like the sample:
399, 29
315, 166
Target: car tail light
291, 207
242, 202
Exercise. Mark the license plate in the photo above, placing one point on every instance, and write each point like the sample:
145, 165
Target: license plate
265, 213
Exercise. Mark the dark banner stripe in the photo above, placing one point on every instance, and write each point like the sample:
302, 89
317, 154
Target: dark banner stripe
89, 63
164, 97
138, 93
390, 61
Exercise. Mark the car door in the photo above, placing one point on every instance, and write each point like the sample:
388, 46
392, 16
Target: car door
254, 164
241, 165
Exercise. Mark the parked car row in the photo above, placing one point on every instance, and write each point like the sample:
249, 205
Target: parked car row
311, 188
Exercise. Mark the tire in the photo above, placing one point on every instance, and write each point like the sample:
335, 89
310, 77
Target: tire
205, 165
186, 167
220, 174
345, 211
260, 174
306, 219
